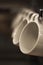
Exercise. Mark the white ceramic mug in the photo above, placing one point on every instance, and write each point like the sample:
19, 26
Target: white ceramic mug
31, 38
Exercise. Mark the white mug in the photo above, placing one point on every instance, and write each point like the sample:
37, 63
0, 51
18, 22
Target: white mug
31, 38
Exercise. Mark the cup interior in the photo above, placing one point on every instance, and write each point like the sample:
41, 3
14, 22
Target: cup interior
28, 37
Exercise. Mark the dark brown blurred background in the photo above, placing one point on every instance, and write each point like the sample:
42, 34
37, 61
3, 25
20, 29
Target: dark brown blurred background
9, 53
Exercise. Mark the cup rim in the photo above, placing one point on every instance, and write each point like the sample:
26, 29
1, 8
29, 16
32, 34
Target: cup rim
35, 42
